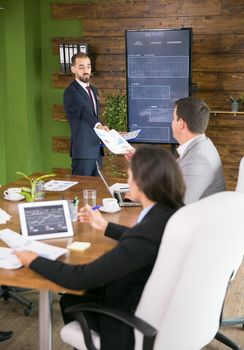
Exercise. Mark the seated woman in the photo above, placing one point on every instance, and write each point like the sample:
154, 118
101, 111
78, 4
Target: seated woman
117, 278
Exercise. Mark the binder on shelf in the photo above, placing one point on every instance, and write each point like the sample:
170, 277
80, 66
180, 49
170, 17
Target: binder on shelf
61, 58
66, 51
75, 48
83, 48
71, 53
66, 58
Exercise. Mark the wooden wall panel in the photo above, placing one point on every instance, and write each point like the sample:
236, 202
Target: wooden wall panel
101, 46
220, 81
218, 57
201, 25
58, 113
136, 9
61, 144
218, 63
232, 7
184, 8
101, 9
202, 44
218, 44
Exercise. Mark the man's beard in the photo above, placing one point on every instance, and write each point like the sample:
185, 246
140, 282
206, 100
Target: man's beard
84, 78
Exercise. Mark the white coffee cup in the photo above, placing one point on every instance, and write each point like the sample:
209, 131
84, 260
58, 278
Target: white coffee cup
110, 203
13, 194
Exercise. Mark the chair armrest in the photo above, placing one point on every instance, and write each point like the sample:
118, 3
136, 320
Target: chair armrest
133, 321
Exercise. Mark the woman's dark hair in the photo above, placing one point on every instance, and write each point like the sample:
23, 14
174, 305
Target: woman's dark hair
158, 175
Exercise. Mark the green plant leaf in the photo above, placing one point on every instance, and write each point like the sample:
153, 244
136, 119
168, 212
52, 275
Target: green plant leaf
22, 174
27, 195
44, 177
26, 189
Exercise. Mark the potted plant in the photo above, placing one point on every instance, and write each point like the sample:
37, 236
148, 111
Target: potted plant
115, 117
31, 194
115, 112
235, 103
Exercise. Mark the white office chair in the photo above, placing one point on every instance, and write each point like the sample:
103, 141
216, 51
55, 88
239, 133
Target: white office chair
240, 180
183, 297
236, 320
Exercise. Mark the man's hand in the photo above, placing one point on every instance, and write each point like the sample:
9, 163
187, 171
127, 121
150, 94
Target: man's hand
129, 155
92, 217
103, 127
25, 257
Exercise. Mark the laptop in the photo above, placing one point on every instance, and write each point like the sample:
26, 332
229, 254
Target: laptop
118, 191
45, 220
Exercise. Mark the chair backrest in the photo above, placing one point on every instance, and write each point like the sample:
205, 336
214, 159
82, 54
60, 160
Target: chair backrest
184, 295
240, 180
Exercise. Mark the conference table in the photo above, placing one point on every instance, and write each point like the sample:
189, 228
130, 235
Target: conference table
27, 278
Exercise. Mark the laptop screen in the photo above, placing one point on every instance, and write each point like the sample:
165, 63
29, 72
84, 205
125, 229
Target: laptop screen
45, 220
104, 180
118, 191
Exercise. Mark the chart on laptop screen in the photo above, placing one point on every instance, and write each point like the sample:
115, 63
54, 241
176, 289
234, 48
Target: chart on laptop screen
46, 219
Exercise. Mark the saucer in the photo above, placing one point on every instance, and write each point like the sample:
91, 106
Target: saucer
106, 210
14, 200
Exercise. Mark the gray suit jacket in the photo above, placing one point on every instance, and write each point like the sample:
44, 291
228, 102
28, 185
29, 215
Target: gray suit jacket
202, 169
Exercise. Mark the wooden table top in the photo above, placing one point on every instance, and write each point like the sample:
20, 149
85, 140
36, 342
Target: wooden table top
24, 277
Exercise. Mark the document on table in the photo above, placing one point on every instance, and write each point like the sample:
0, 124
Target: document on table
8, 260
57, 185
18, 242
4, 216
114, 141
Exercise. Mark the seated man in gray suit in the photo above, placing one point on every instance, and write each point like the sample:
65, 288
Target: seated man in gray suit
198, 157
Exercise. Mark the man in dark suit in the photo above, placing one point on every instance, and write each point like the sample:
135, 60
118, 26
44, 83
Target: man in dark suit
82, 110
117, 278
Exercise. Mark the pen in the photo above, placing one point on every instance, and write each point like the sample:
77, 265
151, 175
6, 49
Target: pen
96, 207
76, 200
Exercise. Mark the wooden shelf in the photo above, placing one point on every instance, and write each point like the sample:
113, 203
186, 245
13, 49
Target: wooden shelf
227, 112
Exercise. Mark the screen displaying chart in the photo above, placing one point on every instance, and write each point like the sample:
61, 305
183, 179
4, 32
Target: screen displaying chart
45, 220
158, 74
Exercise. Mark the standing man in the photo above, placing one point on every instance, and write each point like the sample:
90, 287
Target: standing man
198, 159
82, 110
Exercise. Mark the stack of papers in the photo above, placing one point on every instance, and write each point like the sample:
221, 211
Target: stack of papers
18, 242
4, 217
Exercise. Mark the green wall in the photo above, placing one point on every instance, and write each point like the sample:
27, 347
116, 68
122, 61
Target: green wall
26, 92
21, 114
50, 63
2, 104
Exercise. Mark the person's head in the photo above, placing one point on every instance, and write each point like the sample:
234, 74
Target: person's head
190, 118
81, 66
154, 172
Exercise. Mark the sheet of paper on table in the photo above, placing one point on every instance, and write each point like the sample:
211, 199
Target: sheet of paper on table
8, 260
116, 143
18, 242
58, 185
4, 216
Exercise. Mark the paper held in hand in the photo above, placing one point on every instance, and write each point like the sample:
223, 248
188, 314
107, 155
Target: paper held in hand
115, 142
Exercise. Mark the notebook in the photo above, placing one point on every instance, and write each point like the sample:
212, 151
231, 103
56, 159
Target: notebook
118, 191
45, 220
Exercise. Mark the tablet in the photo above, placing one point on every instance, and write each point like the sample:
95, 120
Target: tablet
45, 220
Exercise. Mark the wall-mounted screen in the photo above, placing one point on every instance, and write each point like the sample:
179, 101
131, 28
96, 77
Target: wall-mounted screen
158, 73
